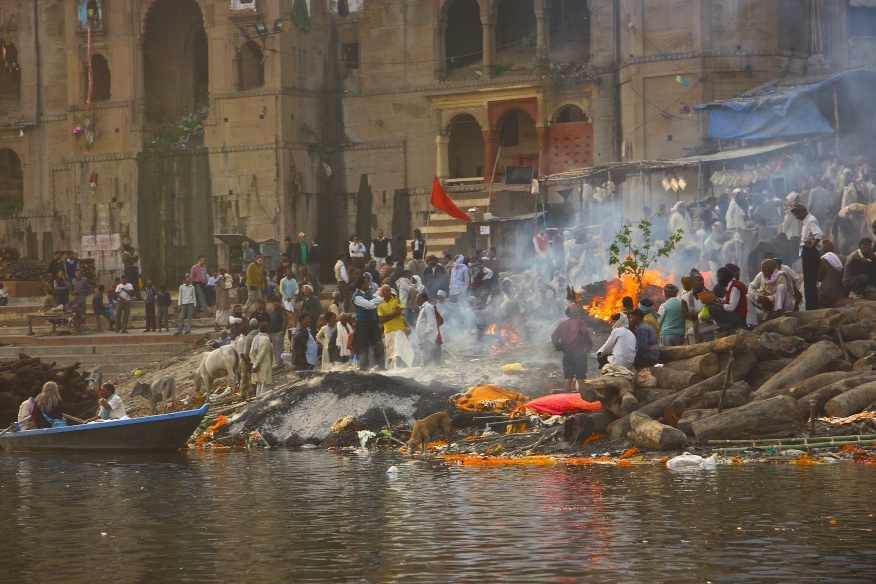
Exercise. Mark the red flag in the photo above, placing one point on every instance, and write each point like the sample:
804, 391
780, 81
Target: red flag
440, 200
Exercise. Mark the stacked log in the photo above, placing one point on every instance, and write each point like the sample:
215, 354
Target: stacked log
822, 361
15, 268
23, 377
88, 269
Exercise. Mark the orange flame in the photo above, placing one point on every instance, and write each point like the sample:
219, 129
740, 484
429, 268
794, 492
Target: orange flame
504, 338
603, 307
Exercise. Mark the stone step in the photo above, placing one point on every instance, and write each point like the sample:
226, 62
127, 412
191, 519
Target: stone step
139, 350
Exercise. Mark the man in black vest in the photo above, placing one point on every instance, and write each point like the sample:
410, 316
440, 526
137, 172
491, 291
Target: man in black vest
380, 248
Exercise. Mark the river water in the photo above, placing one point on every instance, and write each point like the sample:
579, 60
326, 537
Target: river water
313, 516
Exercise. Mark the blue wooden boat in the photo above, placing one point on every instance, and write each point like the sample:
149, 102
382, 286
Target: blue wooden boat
161, 432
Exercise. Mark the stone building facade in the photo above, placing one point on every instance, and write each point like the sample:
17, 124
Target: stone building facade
269, 117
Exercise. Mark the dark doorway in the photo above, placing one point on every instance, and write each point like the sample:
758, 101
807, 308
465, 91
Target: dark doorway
252, 66
570, 26
463, 38
11, 177
176, 61
102, 80
10, 78
465, 152
515, 25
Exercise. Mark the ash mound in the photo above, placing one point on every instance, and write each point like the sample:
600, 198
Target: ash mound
305, 413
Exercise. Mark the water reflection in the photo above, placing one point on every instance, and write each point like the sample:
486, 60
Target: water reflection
266, 516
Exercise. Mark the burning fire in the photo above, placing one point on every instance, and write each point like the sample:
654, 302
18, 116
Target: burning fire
504, 338
603, 306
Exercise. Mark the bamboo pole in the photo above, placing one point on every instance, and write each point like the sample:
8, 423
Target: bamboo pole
789, 446
776, 441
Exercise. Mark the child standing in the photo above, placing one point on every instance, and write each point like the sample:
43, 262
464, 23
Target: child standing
151, 297
163, 301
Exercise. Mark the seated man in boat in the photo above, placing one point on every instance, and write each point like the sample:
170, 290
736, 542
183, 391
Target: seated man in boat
111, 405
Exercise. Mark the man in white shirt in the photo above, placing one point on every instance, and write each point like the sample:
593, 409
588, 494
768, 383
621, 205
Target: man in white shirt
381, 248
620, 348
810, 253
186, 306
427, 331
343, 280
124, 293
357, 252
111, 405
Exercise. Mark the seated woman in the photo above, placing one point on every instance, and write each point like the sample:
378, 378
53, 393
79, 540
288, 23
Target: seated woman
48, 409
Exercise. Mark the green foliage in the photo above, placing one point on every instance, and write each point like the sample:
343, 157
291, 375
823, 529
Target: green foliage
633, 251
10, 206
187, 132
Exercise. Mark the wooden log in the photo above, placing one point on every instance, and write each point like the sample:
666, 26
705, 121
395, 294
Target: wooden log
860, 349
764, 370
813, 330
823, 395
857, 331
769, 346
807, 386
860, 310
614, 393
784, 325
721, 345
691, 416
735, 396
776, 417
595, 423
742, 366
654, 435
667, 377
851, 401
811, 362
705, 365
620, 427
807, 316
647, 395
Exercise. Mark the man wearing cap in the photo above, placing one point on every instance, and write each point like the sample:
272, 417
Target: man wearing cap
810, 253
381, 247
670, 319
300, 252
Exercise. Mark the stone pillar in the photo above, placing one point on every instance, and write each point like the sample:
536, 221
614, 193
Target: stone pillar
491, 148
442, 160
543, 29
543, 133
139, 85
489, 48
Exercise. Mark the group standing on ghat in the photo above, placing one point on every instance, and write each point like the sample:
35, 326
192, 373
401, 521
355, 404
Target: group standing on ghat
395, 302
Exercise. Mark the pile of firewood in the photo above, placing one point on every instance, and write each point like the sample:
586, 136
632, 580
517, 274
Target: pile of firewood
23, 377
15, 268
754, 384
89, 272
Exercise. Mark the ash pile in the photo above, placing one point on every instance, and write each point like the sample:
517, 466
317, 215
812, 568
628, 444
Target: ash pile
305, 412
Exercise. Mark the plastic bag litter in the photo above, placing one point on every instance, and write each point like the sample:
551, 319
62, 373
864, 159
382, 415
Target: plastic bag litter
392, 471
691, 461
364, 437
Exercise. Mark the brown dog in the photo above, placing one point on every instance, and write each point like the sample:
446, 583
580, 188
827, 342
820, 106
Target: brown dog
423, 430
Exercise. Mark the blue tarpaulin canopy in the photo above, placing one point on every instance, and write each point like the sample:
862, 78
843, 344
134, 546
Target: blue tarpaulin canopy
780, 108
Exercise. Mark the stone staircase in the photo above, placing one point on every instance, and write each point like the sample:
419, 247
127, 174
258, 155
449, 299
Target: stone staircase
446, 234
113, 357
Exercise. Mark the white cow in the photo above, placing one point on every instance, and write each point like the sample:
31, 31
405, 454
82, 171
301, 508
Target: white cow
218, 363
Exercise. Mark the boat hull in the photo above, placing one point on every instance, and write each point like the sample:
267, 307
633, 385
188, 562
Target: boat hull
149, 433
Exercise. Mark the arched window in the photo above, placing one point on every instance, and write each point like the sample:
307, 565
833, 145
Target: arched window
102, 81
10, 76
175, 60
519, 140
465, 151
570, 26
252, 66
90, 12
515, 26
463, 37
571, 113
